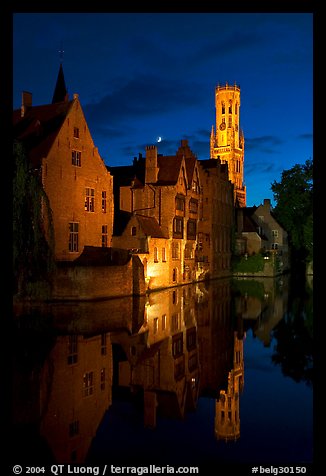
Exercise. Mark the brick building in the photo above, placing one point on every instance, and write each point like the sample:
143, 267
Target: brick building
61, 150
166, 189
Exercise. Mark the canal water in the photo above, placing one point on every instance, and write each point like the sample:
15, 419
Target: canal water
209, 374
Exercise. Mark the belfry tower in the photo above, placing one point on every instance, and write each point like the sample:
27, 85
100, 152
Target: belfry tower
227, 143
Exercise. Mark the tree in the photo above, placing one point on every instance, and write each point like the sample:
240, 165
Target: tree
33, 235
294, 208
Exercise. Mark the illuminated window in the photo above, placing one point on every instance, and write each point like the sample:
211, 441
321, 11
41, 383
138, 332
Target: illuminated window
76, 158
104, 201
90, 199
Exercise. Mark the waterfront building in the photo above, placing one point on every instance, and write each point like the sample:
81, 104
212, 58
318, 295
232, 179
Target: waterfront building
75, 179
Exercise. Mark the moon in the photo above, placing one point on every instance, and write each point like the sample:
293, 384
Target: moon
159, 139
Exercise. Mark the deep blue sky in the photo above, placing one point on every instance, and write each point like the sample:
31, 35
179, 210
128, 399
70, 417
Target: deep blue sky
141, 76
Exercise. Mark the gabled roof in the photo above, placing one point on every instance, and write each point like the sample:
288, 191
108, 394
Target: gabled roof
169, 169
38, 128
150, 226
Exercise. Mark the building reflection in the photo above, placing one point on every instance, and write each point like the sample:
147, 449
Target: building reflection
167, 350
79, 374
161, 362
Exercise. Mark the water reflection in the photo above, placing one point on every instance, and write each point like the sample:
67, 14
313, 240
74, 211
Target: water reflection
162, 352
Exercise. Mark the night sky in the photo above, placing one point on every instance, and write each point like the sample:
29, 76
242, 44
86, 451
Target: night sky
145, 76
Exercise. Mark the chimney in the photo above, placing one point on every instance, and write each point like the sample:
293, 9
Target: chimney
26, 102
151, 164
267, 203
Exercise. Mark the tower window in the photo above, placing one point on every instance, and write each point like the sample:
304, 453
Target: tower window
223, 108
230, 107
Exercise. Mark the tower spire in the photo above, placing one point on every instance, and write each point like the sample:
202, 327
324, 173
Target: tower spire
60, 92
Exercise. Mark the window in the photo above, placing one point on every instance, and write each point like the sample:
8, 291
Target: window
180, 202
230, 107
155, 255
275, 233
74, 428
175, 250
177, 345
104, 236
133, 231
191, 229
102, 379
73, 237
174, 275
163, 254
223, 108
155, 327
174, 322
88, 384
274, 246
193, 205
76, 158
178, 227
104, 201
191, 338
72, 349
103, 344
163, 322
76, 132
192, 362
90, 200
230, 121
189, 251
236, 108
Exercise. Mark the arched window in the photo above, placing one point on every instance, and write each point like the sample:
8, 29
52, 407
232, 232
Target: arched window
223, 108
